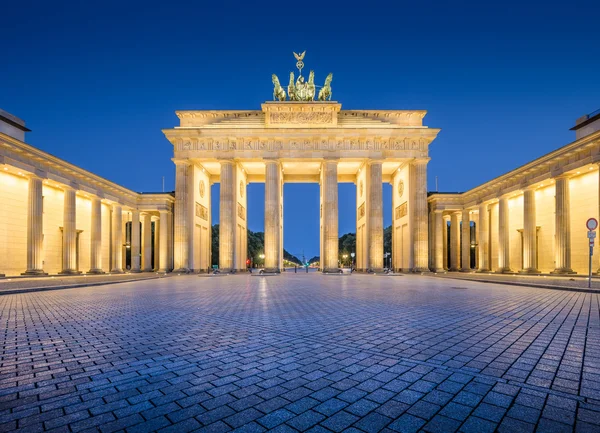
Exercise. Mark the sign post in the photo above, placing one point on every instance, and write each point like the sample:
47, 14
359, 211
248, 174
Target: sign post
591, 225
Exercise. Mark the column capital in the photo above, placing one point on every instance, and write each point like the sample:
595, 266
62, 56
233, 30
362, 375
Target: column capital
560, 174
374, 161
420, 161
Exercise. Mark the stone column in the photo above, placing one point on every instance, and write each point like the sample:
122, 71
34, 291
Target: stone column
147, 242
503, 237
529, 233
170, 234
445, 237
329, 262
156, 249
421, 222
562, 227
482, 238
466, 241
35, 231
135, 242
69, 233
227, 217
454, 242
117, 239
164, 242
183, 226
96, 237
272, 215
438, 226
375, 216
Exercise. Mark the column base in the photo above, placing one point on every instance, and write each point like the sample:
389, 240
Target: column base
117, 271
439, 271
421, 270
96, 271
135, 271
505, 271
272, 270
376, 271
182, 271
480, 271
563, 271
69, 272
467, 270
331, 270
33, 273
530, 271
454, 270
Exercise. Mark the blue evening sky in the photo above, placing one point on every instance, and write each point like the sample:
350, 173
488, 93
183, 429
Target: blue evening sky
96, 81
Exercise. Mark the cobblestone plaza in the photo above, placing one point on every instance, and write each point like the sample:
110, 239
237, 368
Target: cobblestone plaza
300, 352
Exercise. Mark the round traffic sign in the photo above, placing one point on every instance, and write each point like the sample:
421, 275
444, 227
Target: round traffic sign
591, 224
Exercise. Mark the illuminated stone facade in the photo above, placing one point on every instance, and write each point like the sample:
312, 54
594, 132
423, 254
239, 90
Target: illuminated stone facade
531, 220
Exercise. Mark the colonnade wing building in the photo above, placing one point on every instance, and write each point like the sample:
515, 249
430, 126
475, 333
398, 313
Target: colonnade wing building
300, 142
529, 220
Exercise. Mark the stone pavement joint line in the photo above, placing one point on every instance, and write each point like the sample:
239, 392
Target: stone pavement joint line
300, 353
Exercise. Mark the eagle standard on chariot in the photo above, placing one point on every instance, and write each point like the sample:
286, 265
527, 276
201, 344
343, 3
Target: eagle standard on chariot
302, 90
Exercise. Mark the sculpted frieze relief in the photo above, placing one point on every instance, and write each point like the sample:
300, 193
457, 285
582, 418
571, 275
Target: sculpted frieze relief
316, 143
300, 117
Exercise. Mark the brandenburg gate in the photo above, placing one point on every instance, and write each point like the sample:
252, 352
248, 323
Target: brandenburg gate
300, 140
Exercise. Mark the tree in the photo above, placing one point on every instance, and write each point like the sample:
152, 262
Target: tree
387, 239
215, 245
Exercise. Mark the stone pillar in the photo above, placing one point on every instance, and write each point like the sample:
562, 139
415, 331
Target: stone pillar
135, 242
483, 237
35, 231
503, 237
164, 242
466, 241
147, 242
183, 225
156, 249
420, 219
96, 237
272, 216
117, 239
445, 237
438, 236
375, 216
69, 233
454, 242
170, 234
329, 262
562, 227
227, 217
529, 233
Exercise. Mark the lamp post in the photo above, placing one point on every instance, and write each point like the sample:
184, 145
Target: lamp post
386, 255
352, 255
262, 257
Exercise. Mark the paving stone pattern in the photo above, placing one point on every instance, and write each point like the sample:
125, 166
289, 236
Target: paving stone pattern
300, 353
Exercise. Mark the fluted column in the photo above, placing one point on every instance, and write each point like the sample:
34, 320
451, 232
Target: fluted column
147, 242
438, 236
562, 227
375, 215
163, 259
135, 242
421, 243
503, 236
35, 236
466, 241
329, 262
482, 238
96, 237
69, 233
227, 217
117, 239
445, 241
156, 248
454, 242
183, 225
529, 233
272, 215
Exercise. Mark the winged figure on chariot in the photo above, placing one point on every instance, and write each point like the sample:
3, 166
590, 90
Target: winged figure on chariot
302, 90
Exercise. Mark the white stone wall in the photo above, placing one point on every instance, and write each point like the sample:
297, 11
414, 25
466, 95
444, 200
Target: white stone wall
493, 236
515, 223
584, 205
544, 219
201, 246
106, 218
53, 221
83, 219
13, 230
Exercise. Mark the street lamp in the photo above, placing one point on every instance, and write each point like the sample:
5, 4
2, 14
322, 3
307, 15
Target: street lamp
386, 255
345, 256
352, 255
